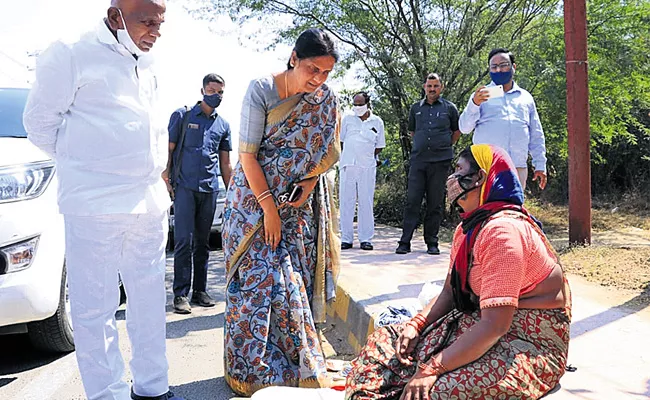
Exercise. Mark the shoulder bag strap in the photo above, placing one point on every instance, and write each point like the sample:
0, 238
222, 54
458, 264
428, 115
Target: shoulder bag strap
179, 157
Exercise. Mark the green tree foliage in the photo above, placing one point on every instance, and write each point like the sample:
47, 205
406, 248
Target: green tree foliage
619, 95
399, 41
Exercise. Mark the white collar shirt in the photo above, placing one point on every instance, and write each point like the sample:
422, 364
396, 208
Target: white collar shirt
92, 108
360, 139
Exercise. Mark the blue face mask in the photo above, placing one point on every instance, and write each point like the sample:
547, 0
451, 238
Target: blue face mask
212, 100
501, 78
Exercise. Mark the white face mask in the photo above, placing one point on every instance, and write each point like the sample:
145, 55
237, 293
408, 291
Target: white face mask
125, 39
360, 110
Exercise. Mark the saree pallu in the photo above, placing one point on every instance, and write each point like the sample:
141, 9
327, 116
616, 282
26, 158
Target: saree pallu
525, 363
275, 298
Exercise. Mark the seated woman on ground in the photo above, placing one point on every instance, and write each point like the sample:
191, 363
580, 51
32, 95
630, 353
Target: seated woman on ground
500, 327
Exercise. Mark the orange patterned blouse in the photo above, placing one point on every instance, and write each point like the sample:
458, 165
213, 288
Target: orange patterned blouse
510, 259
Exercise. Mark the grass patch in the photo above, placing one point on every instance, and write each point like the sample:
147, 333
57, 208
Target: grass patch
606, 215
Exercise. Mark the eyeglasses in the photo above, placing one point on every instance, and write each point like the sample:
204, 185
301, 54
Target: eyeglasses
504, 66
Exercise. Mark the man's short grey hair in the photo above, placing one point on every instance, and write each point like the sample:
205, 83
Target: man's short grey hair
433, 75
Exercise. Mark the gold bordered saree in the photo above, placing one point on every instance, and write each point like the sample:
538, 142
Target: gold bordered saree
275, 298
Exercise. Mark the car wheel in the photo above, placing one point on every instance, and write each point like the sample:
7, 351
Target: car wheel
170, 240
55, 333
215, 241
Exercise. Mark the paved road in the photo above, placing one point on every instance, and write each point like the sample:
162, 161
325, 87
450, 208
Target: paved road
194, 349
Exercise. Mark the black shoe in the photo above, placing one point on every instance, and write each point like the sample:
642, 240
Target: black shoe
167, 396
345, 246
366, 246
403, 248
433, 249
203, 299
182, 305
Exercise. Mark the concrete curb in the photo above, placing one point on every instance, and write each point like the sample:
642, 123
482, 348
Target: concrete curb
371, 280
350, 318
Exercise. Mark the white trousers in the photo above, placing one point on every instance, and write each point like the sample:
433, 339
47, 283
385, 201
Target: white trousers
97, 248
523, 176
357, 185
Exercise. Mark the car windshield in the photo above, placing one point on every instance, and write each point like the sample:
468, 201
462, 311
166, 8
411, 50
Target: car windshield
12, 103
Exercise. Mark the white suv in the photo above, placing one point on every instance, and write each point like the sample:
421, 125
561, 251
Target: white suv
33, 284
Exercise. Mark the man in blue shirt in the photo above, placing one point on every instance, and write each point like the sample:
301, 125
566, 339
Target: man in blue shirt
510, 122
193, 182
433, 125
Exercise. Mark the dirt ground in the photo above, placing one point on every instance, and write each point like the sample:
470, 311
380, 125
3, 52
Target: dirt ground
619, 254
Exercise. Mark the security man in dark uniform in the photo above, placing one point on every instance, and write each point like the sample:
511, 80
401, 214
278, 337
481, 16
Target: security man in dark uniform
433, 125
195, 153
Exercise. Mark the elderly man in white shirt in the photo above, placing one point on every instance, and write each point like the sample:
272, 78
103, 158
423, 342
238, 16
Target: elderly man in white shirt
91, 109
362, 139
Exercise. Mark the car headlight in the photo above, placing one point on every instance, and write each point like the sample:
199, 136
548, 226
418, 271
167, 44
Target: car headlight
18, 256
26, 181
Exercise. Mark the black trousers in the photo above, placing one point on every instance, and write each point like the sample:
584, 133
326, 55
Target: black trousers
428, 178
193, 214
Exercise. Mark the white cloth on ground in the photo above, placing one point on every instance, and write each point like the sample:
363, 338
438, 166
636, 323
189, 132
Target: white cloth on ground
394, 315
292, 393
429, 291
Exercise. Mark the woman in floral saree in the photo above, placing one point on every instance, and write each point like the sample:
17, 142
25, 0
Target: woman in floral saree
282, 253
500, 327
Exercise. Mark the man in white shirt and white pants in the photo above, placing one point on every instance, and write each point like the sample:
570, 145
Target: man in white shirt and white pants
362, 139
91, 109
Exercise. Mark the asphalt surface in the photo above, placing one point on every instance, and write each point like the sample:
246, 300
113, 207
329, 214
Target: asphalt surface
194, 352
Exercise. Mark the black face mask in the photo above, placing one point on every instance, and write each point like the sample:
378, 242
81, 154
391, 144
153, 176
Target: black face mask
212, 100
458, 186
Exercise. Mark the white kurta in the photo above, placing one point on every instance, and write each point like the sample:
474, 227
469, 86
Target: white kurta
357, 174
91, 108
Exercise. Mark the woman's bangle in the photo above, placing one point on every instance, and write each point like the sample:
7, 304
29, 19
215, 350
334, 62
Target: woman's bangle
421, 318
419, 322
434, 367
264, 197
418, 328
261, 195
